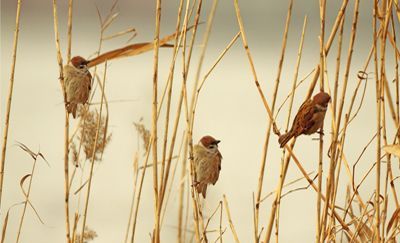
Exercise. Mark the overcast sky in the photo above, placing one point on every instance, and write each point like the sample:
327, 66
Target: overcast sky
229, 108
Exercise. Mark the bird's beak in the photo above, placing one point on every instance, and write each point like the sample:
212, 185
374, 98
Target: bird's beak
217, 141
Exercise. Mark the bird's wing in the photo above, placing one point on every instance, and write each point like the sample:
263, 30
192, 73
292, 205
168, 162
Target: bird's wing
303, 119
217, 164
89, 80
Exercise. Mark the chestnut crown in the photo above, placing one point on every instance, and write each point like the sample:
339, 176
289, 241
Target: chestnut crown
209, 141
322, 98
79, 62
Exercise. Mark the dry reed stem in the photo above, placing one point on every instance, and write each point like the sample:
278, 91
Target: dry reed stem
346, 123
177, 43
5, 223
178, 159
296, 74
156, 232
254, 73
253, 70
66, 126
93, 155
397, 12
322, 11
337, 71
334, 104
212, 215
329, 187
9, 98
292, 94
180, 206
380, 95
336, 25
206, 37
220, 224
396, 59
138, 195
74, 227
268, 132
375, 12
286, 185
219, 58
228, 213
181, 100
197, 87
388, 170
135, 178
70, 5
198, 218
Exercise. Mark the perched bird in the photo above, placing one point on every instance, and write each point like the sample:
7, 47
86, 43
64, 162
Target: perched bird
77, 79
309, 118
207, 159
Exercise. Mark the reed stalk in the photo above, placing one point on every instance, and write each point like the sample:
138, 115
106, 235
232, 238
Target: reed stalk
9, 98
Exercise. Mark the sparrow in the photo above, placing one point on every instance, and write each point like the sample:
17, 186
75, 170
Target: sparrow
207, 160
309, 118
77, 79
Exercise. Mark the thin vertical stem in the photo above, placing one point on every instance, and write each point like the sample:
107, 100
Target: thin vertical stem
165, 172
96, 138
9, 99
378, 107
270, 121
70, 5
228, 213
386, 9
66, 126
322, 12
156, 233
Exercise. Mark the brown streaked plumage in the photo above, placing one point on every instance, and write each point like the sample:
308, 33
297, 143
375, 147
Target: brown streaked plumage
77, 79
207, 159
309, 118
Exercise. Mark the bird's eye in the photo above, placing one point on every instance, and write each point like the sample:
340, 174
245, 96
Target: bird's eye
211, 146
81, 66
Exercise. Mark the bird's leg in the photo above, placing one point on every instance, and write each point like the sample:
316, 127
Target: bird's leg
321, 132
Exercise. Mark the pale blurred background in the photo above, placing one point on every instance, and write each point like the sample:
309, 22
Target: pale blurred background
229, 108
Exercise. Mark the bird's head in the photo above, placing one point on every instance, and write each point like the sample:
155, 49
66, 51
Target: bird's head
322, 99
209, 143
79, 62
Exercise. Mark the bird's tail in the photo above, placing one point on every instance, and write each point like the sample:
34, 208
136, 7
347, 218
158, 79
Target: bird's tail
284, 138
202, 188
71, 108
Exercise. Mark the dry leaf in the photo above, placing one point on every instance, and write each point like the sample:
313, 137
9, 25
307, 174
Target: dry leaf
392, 149
395, 217
132, 50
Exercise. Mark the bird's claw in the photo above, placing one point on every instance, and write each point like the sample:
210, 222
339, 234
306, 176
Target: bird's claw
195, 183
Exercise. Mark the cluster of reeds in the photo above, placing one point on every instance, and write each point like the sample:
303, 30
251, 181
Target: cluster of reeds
363, 218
